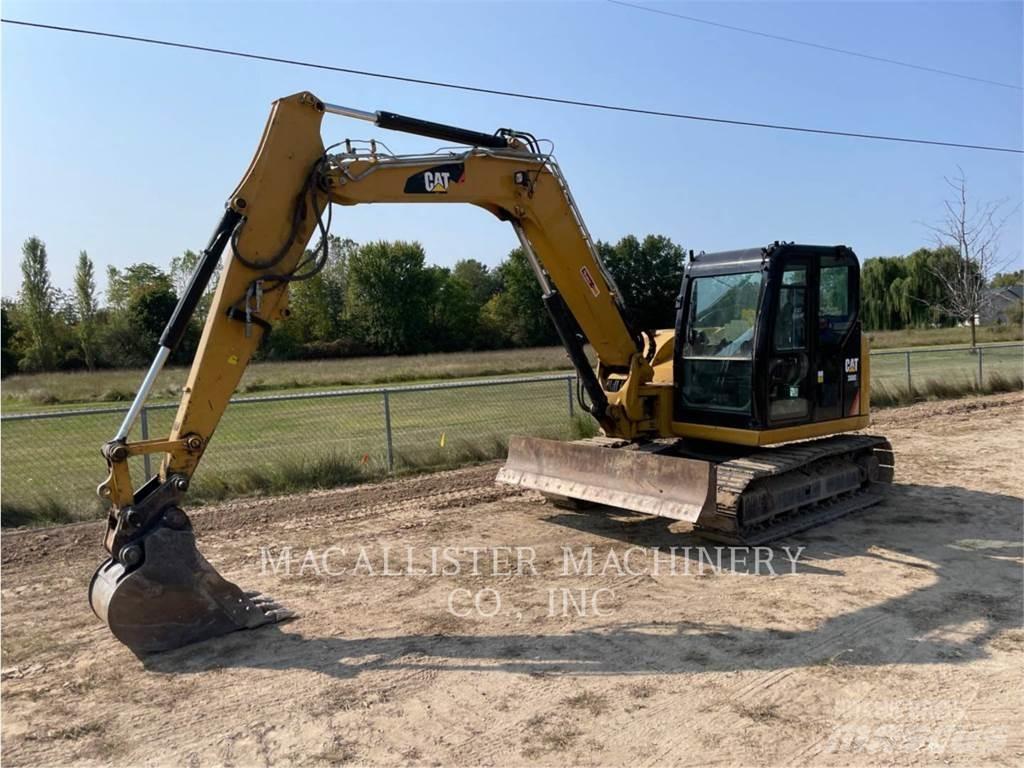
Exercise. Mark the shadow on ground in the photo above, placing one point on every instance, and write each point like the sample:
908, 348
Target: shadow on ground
969, 541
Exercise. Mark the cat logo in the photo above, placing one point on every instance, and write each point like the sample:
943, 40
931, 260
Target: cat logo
852, 364
436, 180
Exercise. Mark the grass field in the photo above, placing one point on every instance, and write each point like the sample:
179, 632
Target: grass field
30, 391
52, 466
951, 367
33, 392
928, 337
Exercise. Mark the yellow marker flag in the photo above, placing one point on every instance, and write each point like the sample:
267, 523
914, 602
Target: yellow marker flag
442, 439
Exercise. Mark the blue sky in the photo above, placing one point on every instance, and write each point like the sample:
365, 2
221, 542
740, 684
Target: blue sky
129, 151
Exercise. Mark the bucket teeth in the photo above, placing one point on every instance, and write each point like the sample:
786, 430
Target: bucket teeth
173, 596
272, 610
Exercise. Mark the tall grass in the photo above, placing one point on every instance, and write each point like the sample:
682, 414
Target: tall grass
45, 512
928, 337
335, 470
288, 475
119, 385
883, 396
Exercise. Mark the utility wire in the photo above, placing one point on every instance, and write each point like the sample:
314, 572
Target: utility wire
510, 94
820, 46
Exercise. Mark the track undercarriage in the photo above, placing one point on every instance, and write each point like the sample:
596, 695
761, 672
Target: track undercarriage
740, 497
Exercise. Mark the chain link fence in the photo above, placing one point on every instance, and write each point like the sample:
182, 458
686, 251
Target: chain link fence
919, 370
51, 462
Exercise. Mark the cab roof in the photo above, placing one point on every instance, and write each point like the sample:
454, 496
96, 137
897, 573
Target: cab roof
754, 259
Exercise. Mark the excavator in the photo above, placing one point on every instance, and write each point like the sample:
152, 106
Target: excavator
733, 420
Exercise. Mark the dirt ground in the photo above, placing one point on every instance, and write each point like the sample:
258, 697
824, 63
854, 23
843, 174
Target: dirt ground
896, 638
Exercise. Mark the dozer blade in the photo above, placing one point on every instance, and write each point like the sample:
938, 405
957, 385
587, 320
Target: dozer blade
639, 480
172, 596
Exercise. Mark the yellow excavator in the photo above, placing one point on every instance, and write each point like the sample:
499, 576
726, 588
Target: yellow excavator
767, 350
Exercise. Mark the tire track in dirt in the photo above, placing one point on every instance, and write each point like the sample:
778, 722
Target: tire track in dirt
694, 670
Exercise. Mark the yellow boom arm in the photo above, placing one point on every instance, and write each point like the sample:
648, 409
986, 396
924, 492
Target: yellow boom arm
279, 206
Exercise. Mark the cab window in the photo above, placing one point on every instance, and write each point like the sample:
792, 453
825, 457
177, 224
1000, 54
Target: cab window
717, 364
722, 313
789, 366
835, 308
790, 324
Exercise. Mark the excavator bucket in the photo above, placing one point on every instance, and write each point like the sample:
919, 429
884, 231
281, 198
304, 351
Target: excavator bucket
172, 596
639, 480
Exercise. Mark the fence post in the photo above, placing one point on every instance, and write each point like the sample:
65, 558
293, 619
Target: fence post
572, 405
145, 436
981, 377
910, 383
387, 432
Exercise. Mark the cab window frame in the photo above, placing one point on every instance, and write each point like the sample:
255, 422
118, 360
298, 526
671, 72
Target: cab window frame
736, 366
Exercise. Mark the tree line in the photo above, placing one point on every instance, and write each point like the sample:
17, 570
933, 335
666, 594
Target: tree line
369, 299
384, 298
929, 288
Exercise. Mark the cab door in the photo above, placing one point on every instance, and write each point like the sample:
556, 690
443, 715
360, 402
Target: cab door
837, 366
791, 355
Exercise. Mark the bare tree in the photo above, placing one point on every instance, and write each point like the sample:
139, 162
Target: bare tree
971, 232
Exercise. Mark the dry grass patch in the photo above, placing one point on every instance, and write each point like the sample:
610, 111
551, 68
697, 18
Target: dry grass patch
545, 737
594, 703
120, 385
923, 337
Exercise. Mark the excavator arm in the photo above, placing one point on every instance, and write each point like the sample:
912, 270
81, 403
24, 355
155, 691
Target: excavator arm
156, 591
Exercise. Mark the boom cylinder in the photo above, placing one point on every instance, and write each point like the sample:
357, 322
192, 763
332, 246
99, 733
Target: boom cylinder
394, 122
183, 311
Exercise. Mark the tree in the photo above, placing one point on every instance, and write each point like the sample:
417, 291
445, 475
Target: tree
182, 268
318, 305
516, 315
972, 232
649, 274
477, 278
36, 309
391, 293
1008, 279
462, 293
455, 314
133, 281
875, 277
925, 293
151, 311
180, 274
141, 298
86, 307
902, 291
8, 360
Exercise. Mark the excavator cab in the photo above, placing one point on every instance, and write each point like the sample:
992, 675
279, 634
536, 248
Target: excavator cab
767, 350
768, 338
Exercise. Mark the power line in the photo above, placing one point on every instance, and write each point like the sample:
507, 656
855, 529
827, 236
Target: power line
510, 94
820, 46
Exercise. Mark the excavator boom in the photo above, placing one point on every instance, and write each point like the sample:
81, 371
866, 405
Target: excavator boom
156, 591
